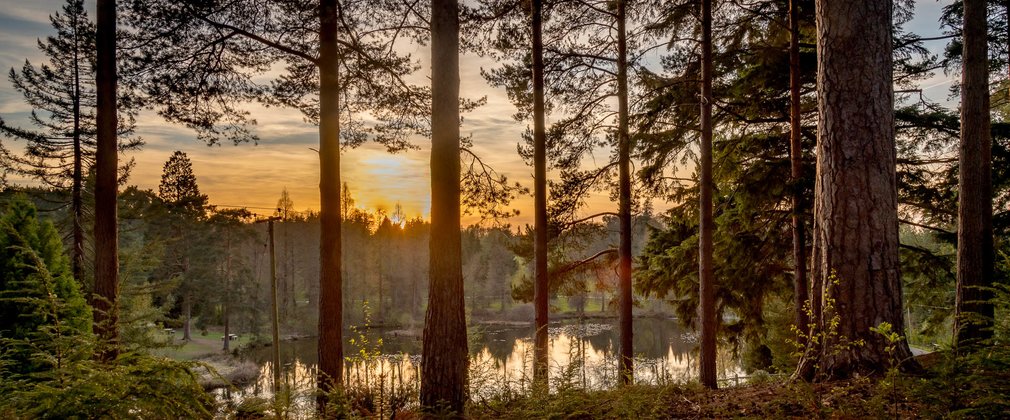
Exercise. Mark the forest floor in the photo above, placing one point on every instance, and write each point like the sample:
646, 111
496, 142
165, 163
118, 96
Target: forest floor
860, 398
975, 386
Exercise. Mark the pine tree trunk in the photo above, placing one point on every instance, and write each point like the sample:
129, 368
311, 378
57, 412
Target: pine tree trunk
855, 265
106, 294
624, 197
975, 257
76, 199
706, 274
800, 288
330, 346
444, 353
541, 284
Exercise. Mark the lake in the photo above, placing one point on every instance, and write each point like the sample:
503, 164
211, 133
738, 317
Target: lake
583, 354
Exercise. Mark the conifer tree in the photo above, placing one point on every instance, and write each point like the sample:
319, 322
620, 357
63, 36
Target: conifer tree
444, 351
186, 209
60, 149
975, 254
106, 291
590, 52
178, 187
856, 278
37, 289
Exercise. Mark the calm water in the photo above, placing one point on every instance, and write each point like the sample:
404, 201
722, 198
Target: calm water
582, 354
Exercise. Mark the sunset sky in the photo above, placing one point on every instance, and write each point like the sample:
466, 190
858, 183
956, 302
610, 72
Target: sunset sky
254, 175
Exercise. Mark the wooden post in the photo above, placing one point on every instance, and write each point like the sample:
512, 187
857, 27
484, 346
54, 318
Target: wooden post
273, 305
227, 291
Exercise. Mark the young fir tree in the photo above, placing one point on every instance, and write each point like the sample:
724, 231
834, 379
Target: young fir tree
178, 187
60, 149
38, 294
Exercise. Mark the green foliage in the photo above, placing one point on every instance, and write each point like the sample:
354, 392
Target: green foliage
37, 290
752, 193
824, 340
627, 403
975, 385
969, 384
752, 238
47, 363
178, 187
132, 386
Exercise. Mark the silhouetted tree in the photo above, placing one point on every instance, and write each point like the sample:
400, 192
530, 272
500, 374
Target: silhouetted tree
61, 92
106, 293
186, 209
444, 352
178, 187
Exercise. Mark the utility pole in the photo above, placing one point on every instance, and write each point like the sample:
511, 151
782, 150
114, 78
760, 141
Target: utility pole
227, 291
273, 304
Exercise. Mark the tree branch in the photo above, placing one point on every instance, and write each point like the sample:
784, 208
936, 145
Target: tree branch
572, 266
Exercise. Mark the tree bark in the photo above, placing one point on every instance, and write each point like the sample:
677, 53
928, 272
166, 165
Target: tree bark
975, 256
330, 347
855, 265
444, 353
106, 293
800, 292
541, 286
706, 274
76, 199
624, 197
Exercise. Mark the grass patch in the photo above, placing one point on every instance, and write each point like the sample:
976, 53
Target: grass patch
200, 346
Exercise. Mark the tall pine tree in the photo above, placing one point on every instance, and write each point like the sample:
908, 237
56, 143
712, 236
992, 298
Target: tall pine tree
60, 149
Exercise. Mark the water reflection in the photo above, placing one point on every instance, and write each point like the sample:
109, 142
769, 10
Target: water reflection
582, 355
